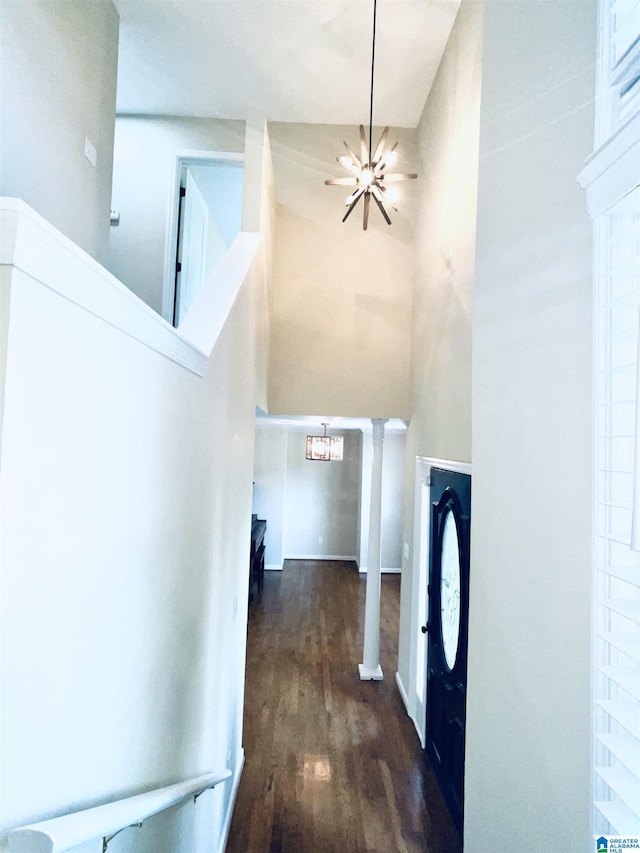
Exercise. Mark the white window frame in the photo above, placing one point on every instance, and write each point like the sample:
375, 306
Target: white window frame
611, 179
617, 73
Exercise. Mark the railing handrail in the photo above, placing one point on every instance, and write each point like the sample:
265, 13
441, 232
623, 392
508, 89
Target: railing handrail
72, 830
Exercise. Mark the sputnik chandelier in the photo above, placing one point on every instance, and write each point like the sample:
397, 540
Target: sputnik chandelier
367, 172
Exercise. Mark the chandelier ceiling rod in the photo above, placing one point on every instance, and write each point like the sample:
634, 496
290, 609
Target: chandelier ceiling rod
373, 61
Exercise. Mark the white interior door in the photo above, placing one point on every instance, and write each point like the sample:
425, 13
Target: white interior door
192, 245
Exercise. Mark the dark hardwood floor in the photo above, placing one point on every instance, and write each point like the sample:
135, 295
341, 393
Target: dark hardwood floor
332, 763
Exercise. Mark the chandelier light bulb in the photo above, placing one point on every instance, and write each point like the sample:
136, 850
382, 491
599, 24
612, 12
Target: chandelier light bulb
392, 195
366, 177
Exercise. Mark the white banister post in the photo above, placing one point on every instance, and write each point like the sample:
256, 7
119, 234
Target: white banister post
370, 669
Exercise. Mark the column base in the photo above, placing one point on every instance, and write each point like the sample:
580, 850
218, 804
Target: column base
367, 674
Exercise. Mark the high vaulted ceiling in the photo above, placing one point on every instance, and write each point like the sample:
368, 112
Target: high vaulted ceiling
286, 60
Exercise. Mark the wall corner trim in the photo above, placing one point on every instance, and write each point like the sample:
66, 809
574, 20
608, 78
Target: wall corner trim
403, 693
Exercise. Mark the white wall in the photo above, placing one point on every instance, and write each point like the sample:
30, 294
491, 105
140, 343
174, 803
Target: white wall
259, 215
508, 387
304, 500
341, 297
270, 470
143, 191
445, 241
448, 132
58, 64
528, 705
5, 308
126, 504
322, 500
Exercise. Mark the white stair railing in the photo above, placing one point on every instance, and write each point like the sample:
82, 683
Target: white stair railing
106, 821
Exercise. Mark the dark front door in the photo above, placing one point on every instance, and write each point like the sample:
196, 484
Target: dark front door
447, 628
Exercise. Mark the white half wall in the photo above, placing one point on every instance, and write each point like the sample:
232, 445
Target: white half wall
125, 494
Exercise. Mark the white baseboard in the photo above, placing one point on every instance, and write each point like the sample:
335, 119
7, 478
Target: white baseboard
384, 570
419, 727
226, 826
350, 559
403, 692
273, 567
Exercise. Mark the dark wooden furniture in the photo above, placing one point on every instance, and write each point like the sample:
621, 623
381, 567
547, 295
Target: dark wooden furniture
256, 557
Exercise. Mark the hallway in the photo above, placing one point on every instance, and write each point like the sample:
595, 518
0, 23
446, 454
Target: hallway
332, 763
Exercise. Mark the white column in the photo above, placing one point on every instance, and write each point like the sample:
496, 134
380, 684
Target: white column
370, 669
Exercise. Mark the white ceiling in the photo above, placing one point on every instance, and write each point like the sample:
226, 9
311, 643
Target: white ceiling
286, 60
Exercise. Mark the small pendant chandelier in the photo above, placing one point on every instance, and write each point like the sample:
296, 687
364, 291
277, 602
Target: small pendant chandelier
325, 448
367, 172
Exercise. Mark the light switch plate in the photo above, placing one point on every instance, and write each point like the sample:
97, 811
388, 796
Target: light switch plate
90, 151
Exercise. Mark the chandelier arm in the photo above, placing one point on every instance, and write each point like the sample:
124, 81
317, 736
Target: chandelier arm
365, 215
398, 176
351, 206
373, 60
353, 156
381, 164
378, 152
382, 209
341, 182
350, 167
355, 195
